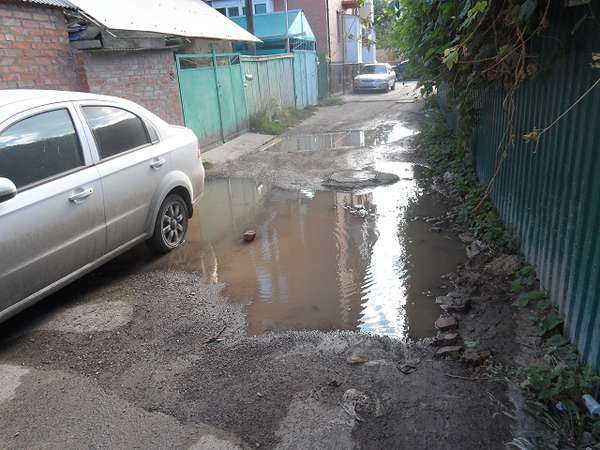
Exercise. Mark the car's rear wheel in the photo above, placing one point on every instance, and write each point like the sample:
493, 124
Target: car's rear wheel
394, 86
171, 224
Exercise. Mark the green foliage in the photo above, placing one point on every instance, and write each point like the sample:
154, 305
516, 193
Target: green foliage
276, 123
526, 297
332, 100
466, 43
559, 383
446, 151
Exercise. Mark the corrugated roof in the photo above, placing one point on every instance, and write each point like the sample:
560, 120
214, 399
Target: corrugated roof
272, 25
189, 18
53, 3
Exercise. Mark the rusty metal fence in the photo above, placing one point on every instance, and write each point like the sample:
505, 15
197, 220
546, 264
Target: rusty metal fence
550, 191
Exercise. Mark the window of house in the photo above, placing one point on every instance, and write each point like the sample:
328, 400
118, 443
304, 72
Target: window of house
244, 11
115, 130
40, 147
222, 11
260, 8
234, 11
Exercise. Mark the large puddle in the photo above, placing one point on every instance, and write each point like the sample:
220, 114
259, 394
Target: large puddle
323, 260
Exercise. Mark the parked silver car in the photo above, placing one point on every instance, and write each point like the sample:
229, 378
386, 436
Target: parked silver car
83, 178
375, 77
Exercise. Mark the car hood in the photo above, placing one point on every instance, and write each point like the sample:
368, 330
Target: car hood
372, 77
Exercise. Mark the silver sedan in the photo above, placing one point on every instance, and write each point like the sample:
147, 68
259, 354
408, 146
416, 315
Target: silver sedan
375, 77
84, 178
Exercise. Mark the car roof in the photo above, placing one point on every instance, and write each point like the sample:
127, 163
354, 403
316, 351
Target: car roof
13, 101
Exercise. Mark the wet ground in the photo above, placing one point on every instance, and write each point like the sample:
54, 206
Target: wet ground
227, 345
322, 260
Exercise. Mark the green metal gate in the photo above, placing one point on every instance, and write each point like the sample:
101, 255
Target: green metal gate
212, 95
305, 78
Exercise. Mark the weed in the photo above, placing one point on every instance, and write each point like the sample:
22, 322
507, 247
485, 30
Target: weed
207, 165
332, 100
277, 122
444, 150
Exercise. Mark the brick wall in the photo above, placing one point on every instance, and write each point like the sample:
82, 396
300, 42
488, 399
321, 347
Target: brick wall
145, 77
34, 49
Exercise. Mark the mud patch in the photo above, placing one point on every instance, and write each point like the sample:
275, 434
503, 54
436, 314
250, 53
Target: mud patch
90, 318
311, 424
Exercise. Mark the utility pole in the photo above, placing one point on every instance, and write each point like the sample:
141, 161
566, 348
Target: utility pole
287, 27
250, 25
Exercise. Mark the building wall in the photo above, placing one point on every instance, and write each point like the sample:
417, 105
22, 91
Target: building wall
145, 77
219, 4
326, 25
35, 50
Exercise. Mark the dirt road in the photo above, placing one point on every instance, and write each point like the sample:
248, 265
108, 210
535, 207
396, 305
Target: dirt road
312, 337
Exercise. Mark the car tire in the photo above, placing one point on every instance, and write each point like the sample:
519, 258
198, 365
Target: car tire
394, 86
171, 224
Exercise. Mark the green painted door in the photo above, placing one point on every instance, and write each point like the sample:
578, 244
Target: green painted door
212, 96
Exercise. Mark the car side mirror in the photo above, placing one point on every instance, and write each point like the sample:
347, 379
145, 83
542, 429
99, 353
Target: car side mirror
7, 189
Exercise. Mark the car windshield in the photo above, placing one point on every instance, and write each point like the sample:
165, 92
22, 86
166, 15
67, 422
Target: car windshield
374, 69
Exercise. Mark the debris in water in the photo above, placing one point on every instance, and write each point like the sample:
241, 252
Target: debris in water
454, 302
249, 235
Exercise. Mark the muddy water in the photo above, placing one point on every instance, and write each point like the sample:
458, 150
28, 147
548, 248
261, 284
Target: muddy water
323, 260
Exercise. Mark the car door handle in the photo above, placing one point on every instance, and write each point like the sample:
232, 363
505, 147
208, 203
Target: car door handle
158, 163
79, 196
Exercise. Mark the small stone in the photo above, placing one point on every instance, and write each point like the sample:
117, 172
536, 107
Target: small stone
454, 302
445, 340
431, 219
249, 235
504, 265
475, 357
357, 359
474, 249
452, 351
446, 323
448, 177
466, 238
435, 229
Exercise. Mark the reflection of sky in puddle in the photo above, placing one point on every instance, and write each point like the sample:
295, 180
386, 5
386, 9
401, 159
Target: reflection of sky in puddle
383, 289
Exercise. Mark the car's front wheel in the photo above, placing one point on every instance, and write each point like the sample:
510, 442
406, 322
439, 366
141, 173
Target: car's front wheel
171, 224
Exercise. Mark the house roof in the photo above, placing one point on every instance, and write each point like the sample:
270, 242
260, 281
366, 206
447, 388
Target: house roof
55, 3
188, 18
272, 25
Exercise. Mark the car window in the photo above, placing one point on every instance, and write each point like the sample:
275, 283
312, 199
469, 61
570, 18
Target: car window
115, 130
374, 69
152, 134
40, 147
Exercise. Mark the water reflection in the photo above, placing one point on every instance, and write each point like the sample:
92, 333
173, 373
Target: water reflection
315, 264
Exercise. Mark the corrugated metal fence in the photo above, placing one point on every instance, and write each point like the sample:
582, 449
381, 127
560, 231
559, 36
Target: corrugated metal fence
269, 82
280, 81
550, 192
